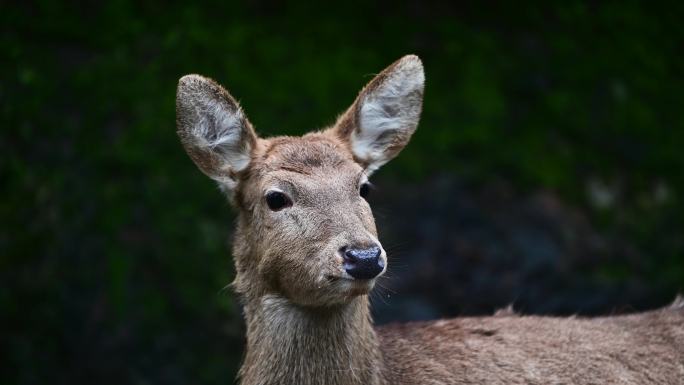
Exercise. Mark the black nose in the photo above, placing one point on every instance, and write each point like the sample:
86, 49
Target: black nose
363, 263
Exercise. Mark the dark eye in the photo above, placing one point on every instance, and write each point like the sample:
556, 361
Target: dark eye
364, 190
277, 200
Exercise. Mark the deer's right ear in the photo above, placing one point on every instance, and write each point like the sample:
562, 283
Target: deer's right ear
213, 129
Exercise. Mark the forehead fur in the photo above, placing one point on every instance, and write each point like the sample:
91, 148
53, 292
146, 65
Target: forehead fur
303, 154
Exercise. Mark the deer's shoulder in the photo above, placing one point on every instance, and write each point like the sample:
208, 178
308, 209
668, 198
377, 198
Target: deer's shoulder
507, 348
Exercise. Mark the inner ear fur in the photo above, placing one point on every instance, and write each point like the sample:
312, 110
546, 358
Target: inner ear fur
213, 129
385, 114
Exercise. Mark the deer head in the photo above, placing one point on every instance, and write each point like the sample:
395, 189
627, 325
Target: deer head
305, 230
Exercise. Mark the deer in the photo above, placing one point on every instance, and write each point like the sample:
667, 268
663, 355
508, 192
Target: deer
307, 255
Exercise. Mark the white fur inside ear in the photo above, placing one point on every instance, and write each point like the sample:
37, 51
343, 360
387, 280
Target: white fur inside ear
390, 111
220, 130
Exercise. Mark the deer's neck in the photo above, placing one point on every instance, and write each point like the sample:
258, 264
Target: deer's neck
291, 344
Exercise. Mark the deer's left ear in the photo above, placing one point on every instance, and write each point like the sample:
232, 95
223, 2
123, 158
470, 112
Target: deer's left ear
385, 114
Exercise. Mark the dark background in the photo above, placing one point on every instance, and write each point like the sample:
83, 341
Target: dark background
546, 171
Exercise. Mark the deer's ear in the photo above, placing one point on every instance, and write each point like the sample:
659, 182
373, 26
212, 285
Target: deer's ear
213, 129
385, 114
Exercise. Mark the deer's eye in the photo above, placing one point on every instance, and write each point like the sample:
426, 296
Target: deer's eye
277, 200
365, 190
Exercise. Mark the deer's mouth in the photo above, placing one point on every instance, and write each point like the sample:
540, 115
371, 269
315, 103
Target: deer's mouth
351, 286
333, 278
340, 278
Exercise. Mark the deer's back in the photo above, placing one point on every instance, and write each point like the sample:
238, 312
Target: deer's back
646, 348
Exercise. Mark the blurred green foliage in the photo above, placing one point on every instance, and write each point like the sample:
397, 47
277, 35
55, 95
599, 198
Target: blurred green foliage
114, 246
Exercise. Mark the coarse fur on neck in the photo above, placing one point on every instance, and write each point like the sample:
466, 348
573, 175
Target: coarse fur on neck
292, 344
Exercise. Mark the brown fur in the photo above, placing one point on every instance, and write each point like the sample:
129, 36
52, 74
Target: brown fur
308, 323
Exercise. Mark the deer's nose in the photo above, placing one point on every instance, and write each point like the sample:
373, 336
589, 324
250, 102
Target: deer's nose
363, 263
